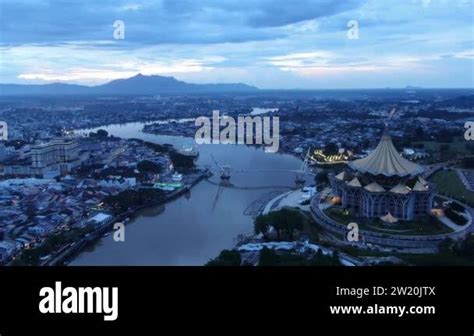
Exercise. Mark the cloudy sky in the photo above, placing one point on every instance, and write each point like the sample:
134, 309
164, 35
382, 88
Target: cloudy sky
267, 43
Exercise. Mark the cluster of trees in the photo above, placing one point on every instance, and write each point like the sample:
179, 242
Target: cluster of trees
180, 161
115, 171
455, 217
438, 114
468, 162
321, 178
100, 134
17, 144
226, 258
156, 147
457, 207
285, 222
128, 199
269, 257
330, 149
31, 257
465, 248
147, 166
97, 171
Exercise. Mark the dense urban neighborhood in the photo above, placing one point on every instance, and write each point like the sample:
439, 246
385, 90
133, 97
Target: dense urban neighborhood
65, 181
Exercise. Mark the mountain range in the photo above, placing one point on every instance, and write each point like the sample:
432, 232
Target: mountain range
136, 85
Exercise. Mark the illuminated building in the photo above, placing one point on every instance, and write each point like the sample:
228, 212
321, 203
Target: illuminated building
384, 184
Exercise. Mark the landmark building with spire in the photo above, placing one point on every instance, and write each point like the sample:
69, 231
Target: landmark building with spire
383, 185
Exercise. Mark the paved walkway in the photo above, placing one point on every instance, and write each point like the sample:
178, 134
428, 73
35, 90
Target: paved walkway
289, 199
465, 179
469, 212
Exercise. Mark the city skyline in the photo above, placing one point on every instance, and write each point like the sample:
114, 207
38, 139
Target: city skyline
272, 46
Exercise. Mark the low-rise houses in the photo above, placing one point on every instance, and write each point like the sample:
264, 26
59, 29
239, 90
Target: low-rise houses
35, 208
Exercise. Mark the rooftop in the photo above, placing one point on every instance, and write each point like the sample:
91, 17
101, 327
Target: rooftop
385, 160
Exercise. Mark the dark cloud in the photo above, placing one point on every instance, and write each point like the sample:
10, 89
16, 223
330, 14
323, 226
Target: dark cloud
166, 21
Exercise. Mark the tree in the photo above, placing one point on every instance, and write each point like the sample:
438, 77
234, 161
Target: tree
268, 257
147, 166
286, 221
446, 246
127, 199
330, 149
466, 247
321, 178
181, 161
444, 147
468, 162
419, 134
261, 225
226, 258
99, 134
319, 259
455, 217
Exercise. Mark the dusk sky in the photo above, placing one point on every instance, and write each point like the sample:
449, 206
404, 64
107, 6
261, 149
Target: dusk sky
270, 44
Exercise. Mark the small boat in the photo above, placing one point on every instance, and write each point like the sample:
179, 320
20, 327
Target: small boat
189, 150
177, 177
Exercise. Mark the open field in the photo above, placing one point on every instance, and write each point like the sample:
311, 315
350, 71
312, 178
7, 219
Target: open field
449, 184
459, 146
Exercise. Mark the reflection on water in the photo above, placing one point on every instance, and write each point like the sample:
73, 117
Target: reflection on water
153, 211
190, 230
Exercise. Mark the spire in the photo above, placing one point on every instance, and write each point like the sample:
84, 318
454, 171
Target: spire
386, 128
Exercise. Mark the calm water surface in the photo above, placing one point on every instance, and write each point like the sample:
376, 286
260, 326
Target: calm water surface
193, 229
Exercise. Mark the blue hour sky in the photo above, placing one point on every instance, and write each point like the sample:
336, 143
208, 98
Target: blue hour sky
271, 44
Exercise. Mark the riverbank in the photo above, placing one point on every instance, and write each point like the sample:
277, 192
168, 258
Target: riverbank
68, 253
192, 230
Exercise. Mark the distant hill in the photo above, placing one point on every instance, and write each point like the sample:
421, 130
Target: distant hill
137, 85
54, 88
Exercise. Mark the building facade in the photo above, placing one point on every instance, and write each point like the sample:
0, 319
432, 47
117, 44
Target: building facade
62, 152
383, 183
48, 160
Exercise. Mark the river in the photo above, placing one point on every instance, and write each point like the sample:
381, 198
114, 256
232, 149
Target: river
191, 230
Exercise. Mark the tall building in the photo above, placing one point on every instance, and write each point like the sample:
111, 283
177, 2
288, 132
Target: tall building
384, 185
63, 153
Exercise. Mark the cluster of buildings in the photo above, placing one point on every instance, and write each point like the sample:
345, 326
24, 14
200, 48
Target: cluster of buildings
61, 184
60, 181
46, 160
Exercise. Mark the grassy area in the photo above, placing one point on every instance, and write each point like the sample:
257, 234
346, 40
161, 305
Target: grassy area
445, 151
458, 146
425, 225
450, 184
339, 215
